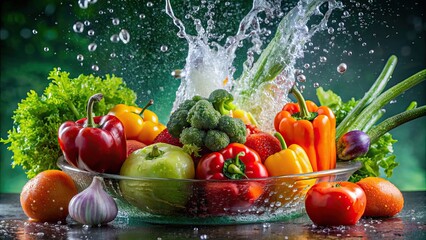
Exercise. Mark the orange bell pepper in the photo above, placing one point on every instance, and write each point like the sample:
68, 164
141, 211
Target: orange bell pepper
290, 160
311, 127
139, 124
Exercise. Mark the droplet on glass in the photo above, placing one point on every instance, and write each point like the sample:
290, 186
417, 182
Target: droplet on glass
83, 4
91, 32
80, 57
95, 68
124, 36
164, 48
115, 38
78, 27
115, 21
342, 68
92, 47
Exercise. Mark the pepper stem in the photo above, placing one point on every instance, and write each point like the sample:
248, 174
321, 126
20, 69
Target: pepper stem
234, 168
151, 102
281, 139
95, 98
156, 152
304, 112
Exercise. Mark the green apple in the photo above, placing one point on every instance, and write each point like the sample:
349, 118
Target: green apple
158, 166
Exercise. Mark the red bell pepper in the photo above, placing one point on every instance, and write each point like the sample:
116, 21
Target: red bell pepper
236, 161
94, 143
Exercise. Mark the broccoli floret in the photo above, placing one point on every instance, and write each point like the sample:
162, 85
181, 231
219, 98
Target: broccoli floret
192, 136
177, 122
222, 101
216, 140
203, 115
197, 98
234, 128
186, 105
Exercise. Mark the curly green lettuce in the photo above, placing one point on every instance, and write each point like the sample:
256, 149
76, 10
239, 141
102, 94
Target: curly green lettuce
33, 138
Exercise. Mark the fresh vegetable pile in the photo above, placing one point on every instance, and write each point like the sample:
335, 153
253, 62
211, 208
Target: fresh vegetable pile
211, 139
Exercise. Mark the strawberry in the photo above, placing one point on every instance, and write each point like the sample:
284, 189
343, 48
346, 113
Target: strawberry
166, 137
264, 144
133, 145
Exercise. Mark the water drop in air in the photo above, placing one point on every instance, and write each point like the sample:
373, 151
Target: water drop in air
91, 32
92, 47
95, 68
80, 57
35, 32
164, 48
342, 68
78, 27
83, 4
124, 36
113, 55
323, 59
115, 21
371, 51
46, 49
115, 38
142, 16
86, 23
301, 78
149, 4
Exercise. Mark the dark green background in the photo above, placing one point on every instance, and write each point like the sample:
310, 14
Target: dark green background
386, 27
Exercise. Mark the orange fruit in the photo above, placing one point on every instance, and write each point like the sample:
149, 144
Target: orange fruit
45, 197
383, 198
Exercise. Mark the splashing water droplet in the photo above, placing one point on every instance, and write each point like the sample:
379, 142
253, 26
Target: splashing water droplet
95, 68
306, 65
330, 30
323, 59
115, 38
92, 47
83, 4
46, 49
149, 4
78, 27
35, 32
164, 48
178, 73
124, 36
142, 16
115, 21
87, 23
80, 57
113, 55
342, 68
301, 78
371, 51
91, 32
316, 85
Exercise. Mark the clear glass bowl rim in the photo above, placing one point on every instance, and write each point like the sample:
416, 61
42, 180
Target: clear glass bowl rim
342, 167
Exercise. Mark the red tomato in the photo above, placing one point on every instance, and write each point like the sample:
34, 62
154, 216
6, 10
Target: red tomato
335, 203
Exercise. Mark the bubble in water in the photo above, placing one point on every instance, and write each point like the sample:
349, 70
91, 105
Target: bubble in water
84, 4
164, 48
342, 68
95, 68
371, 51
78, 27
92, 47
316, 85
91, 32
142, 16
323, 59
113, 55
80, 57
35, 32
115, 21
114, 38
124, 36
330, 30
87, 23
306, 65
149, 4
46, 49
346, 14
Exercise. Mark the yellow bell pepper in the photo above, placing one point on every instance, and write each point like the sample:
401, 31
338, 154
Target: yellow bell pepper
291, 160
139, 124
246, 117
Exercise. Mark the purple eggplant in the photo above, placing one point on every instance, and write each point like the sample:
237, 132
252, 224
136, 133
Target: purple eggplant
352, 145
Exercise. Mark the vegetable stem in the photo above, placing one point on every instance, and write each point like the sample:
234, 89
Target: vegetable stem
151, 102
364, 117
73, 109
95, 98
395, 121
281, 139
375, 90
304, 112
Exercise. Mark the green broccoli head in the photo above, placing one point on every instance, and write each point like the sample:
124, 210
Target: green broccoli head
186, 105
192, 136
177, 122
203, 115
234, 128
216, 140
222, 101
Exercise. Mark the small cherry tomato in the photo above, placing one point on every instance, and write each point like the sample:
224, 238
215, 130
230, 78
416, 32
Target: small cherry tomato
335, 203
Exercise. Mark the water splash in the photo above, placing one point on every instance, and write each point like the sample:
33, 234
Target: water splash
263, 87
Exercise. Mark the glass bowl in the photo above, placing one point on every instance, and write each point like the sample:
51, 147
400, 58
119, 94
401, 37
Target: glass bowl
206, 202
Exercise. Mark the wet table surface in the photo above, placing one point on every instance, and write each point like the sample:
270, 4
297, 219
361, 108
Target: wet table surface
408, 224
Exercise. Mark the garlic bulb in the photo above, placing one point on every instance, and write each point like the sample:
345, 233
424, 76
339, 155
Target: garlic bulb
93, 206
